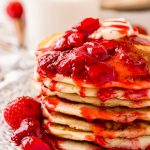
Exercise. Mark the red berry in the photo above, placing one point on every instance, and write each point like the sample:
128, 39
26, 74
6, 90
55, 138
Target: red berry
88, 25
27, 127
21, 108
61, 44
15, 9
75, 39
34, 143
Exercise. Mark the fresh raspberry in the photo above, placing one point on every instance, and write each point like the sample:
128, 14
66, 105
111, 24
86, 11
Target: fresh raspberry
34, 143
27, 127
15, 9
88, 25
75, 39
21, 108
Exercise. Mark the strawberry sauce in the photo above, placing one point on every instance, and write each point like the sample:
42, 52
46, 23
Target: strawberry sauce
82, 92
106, 114
95, 113
99, 62
134, 95
52, 86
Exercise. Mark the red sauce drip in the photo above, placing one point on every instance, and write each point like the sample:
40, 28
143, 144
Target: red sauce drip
110, 93
105, 94
53, 101
44, 90
39, 79
52, 85
136, 94
101, 141
100, 130
124, 118
92, 114
103, 114
82, 91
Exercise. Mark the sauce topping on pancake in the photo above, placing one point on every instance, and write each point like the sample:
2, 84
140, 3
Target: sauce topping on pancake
110, 93
99, 61
121, 115
52, 85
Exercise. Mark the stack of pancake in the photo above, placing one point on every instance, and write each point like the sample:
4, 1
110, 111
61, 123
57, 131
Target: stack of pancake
88, 117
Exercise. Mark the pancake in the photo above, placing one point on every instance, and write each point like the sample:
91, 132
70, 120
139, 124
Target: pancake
92, 100
106, 129
51, 86
73, 145
65, 144
68, 88
108, 103
70, 81
117, 114
77, 135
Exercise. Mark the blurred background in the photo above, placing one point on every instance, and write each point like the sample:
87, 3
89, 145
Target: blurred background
24, 23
